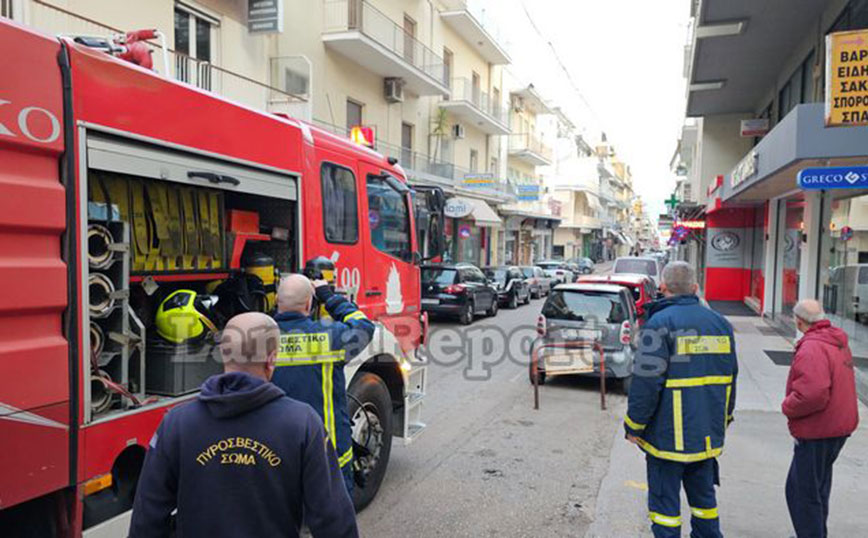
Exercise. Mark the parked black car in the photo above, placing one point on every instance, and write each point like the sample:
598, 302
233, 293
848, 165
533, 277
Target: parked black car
512, 290
459, 290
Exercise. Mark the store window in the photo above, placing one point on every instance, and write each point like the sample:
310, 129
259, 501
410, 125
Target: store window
843, 279
468, 242
340, 204
791, 214
389, 219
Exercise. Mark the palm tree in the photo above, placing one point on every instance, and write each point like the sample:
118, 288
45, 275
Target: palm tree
440, 128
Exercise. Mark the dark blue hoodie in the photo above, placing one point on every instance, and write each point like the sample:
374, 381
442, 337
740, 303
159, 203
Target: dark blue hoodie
242, 460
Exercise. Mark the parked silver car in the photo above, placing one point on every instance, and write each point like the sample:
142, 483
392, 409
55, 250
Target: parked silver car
593, 312
539, 283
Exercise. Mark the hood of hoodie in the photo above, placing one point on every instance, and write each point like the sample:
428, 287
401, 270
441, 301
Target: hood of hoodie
823, 331
236, 393
660, 304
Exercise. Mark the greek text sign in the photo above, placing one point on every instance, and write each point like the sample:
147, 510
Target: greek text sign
264, 16
841, 177
847, 78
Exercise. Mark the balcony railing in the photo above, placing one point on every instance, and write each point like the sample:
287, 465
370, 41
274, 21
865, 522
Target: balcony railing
477, 10
359, 15
527, 142
416, 162
464, 90
200, 73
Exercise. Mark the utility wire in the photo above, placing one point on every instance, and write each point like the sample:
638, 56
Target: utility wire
561, 64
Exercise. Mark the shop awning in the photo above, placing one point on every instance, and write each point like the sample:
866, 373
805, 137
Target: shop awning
593, 201
483, 214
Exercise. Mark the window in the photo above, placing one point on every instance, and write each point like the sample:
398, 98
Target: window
409, 39
194, 34
6, 8
407, 145
585, 306
354, 114
495, 166
447, 66
389, 218
437, 275
474, 160
340, 204
475, 81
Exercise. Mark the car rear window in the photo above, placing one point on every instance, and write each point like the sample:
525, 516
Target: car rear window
432, 275
643, 267
602, 307
527, 272
497, 275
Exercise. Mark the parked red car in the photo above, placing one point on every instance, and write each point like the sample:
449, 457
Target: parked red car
641, 286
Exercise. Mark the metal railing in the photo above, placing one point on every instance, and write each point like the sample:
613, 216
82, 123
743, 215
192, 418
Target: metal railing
359, 15
523, 142
420, 163
463, 89
477, 11
53, 19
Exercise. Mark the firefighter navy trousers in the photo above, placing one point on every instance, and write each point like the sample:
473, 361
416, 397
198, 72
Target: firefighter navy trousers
664, 497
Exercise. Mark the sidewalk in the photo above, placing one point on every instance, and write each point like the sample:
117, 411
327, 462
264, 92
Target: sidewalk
754, 465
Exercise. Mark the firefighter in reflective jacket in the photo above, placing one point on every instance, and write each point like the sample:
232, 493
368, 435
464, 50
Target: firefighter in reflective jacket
312, 355
681, 401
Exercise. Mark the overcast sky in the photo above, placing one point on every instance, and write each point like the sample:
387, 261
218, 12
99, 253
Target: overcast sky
626, 58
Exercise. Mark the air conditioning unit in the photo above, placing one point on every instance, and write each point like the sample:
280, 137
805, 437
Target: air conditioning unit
394, 90
458, 131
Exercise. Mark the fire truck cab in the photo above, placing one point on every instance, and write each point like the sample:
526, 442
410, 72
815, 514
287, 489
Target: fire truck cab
119, 187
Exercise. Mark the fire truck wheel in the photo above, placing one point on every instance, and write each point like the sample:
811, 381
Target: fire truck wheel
370, 409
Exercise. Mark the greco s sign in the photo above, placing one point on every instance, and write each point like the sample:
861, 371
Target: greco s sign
31, 122
835, 177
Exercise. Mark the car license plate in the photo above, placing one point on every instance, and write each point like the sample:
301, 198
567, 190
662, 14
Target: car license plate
430, 301
581, 334
579, 361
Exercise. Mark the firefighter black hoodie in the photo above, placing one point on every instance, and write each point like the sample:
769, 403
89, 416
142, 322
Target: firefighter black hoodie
241, 460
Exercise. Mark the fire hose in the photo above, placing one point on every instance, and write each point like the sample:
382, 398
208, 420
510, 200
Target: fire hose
100, 291
99, 239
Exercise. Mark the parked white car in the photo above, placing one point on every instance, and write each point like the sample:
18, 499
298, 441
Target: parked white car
643, 265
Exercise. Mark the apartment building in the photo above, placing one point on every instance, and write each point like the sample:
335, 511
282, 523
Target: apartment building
573, 181
423, 78
530, 221
771, 242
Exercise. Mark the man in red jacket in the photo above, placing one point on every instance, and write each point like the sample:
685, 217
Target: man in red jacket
822, 410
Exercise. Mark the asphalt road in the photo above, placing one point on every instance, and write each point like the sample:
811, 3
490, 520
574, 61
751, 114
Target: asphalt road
488, 464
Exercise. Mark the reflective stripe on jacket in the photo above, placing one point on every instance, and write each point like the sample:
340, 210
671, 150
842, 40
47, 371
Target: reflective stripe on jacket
311, 359
684, 379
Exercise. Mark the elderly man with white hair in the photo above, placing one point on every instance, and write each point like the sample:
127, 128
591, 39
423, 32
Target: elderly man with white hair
681, 401
822, 410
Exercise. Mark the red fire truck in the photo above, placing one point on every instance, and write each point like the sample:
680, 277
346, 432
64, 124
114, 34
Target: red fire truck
118, 187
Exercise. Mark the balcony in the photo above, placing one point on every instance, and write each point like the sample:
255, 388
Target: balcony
362, 33
476, 107
469, 22
529, 148
436, 169
202, 74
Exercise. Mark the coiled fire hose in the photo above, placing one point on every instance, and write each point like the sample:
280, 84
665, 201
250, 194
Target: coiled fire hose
99, 254
97, 339
100, 290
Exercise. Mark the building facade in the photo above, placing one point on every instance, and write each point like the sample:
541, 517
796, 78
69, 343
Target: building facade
769, 242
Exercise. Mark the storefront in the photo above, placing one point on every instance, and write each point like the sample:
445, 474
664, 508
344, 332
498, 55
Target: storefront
774, 238
471, 231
